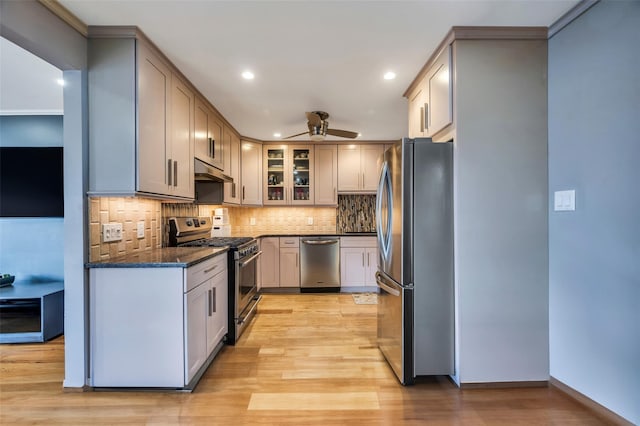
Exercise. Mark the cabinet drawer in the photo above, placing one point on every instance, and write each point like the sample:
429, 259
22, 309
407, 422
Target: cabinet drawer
289, 242
203, 271
358, 242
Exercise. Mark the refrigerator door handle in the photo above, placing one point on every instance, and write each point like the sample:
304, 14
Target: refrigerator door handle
384, 218
384, 286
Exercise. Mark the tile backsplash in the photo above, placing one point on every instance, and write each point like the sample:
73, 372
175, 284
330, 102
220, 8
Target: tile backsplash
278, 220
356, 213
128, 211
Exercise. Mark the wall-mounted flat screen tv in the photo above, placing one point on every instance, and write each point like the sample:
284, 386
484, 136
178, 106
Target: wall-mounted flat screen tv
31, 182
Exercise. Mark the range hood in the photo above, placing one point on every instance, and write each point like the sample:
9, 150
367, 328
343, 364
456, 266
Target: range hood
206, 173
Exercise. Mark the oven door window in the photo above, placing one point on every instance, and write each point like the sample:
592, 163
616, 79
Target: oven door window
247, 284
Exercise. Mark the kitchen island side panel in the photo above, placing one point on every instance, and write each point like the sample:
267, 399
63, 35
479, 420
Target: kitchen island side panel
137, 335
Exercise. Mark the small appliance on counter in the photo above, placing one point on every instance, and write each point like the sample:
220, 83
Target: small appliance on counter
220, 220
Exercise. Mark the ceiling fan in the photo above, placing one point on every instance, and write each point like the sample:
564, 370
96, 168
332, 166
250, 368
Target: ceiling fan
319, 127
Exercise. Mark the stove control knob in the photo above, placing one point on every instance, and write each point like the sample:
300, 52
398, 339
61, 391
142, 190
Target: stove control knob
188, 222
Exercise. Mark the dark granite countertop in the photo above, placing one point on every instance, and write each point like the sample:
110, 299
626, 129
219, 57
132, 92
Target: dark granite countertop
348, 234
166, 257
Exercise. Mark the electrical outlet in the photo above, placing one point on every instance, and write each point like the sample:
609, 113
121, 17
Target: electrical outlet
140, 229
252, 221
111, 232
310, 220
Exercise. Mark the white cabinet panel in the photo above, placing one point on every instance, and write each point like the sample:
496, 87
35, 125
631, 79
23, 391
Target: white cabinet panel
358, 167
326, 175
270, 262
251, 166
289, 267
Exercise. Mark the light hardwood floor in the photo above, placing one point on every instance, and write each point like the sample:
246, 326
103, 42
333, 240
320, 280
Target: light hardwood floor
306, 359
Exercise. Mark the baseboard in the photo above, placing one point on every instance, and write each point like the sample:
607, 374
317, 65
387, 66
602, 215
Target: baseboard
85, 388
599, 409
500, 385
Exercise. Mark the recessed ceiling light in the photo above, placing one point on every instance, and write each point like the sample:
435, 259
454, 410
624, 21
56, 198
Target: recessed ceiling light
359, 134
389, 75
60, 82
276, 135
248, 75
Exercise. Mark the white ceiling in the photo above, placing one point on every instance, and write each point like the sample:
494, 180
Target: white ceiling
308, 55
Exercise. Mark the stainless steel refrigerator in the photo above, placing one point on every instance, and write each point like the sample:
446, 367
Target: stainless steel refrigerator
414, 220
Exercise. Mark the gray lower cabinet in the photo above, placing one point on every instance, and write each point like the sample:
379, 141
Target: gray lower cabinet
156, 327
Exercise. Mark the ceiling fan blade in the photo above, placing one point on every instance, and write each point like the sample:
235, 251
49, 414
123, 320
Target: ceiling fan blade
342, 133
299, 134
314, 119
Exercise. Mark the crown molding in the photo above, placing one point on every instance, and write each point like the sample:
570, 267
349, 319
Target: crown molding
65, 14
570, 16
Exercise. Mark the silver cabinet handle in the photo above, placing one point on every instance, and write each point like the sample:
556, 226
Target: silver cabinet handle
169, 171
210, 269
296, 260
363, 260
368, 259
425, 117
213, 300
209, 301
175, 173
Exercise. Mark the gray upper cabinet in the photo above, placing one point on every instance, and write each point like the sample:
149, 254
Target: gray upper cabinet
440, 94
142, 115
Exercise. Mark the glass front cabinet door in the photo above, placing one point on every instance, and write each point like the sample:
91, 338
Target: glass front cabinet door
288, 175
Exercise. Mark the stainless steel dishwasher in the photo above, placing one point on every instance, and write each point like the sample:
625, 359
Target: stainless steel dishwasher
319, 264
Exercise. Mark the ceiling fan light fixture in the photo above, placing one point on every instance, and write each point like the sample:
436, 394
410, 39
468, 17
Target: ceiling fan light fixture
318, 133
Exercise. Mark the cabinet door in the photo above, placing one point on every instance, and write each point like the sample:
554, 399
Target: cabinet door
371, 266
326, 175
232, 190
370, 166
207, 135
274, 175
352, 267
417, 118
301, 176
217, 308
270, 262
440, 94
196, 307
251, 166
348, 168
155, 170
182, 109
289, 267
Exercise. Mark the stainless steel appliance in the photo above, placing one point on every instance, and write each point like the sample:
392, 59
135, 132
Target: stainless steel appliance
242, 267
414, 221
319, 264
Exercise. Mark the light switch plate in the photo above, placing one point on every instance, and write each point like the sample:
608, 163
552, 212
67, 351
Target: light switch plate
564, 200
252, 221
111, 232
310, 220
140, 229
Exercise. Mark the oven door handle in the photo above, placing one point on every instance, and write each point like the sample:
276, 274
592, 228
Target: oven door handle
249, 260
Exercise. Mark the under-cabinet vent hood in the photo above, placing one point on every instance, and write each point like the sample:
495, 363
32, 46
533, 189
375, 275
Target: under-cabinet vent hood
205, 172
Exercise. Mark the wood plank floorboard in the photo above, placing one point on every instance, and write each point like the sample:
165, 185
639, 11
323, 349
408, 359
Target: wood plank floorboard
305, 360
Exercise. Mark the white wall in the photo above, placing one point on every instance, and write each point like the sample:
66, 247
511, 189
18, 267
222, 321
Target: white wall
594, 251
32, 26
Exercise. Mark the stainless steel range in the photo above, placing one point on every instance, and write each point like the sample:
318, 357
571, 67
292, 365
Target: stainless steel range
242, 266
